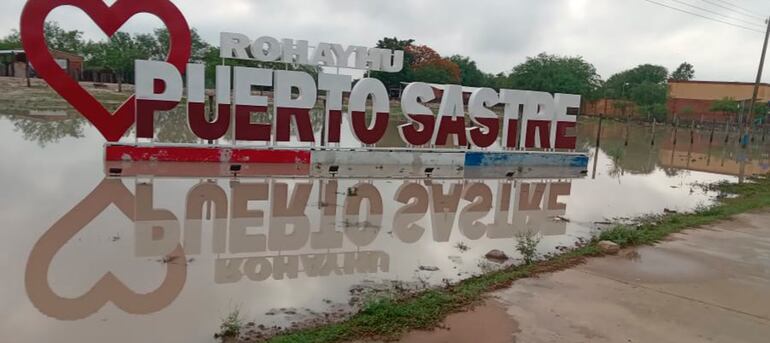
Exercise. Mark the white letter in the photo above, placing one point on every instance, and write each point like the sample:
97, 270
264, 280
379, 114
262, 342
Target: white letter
540, 107
342, 55
233, 45
149, 71
295, 53
362, 90
323, 53
392, 61
563, 103
335, 86
285, 80
266, 54
223, 85
451, 106
512, 99
196, 88
412, 99
370, 59
480, 102
245, 78
479, 105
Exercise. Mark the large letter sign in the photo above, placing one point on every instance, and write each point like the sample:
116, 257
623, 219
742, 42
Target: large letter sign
529, 120
436, 119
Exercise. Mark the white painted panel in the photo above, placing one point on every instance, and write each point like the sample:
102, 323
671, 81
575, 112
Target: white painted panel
396, 164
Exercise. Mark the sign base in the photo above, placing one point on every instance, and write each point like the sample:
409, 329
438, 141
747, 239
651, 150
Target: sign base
217, 161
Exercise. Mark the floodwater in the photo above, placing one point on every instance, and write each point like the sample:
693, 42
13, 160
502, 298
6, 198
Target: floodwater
88, 258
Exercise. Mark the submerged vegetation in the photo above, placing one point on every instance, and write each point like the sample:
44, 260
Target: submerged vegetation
390, 317
526, 245
231, 326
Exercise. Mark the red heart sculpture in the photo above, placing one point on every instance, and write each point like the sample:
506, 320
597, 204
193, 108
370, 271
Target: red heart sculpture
109, 19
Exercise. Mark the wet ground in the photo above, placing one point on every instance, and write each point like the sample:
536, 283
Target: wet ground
706, 285
89, 258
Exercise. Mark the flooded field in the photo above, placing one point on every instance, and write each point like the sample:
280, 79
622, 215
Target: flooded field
91, 258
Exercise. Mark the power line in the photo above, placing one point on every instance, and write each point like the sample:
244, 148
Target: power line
704, 17
747, 11
717, 13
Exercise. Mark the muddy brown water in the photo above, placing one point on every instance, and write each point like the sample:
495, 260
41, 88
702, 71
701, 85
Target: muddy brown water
85, 258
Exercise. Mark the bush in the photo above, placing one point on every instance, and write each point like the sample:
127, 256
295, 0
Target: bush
526, 245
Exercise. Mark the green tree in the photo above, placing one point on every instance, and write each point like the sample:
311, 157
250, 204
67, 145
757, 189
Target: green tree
56, 37
556, 74
645, 85
648, 93
725, 105
157, 44
621, 85
117, 55
684, 72
63, 40
11, 41
761, 111
45, 132
496, 81
434, 74
150, 47
470, 75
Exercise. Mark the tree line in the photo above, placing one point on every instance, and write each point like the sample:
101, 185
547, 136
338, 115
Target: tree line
644, 85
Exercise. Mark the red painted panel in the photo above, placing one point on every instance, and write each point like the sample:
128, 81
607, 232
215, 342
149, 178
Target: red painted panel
204, 154
196, 169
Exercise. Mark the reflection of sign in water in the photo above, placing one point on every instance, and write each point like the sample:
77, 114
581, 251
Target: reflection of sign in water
279, 230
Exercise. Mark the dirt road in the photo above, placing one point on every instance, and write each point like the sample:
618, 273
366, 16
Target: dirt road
705, 285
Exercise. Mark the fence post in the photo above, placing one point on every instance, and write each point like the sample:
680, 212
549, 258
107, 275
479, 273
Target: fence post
598, 143
654, 122
727, 131
676, 129
692, 132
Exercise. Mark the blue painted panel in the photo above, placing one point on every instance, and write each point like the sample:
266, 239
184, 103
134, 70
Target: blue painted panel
524, 159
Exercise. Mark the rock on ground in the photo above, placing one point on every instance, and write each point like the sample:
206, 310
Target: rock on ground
496, 255
608, 247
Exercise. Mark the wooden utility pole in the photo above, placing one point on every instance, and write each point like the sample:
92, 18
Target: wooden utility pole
747, 125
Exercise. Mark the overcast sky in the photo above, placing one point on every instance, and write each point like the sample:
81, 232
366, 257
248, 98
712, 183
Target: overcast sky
612, 34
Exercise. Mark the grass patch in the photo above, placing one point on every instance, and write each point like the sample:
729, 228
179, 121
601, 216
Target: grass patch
231, 325
389, 318
748, 196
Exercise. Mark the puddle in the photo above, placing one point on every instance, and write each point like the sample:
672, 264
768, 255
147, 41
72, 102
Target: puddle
166, 258
655, 265
489, 320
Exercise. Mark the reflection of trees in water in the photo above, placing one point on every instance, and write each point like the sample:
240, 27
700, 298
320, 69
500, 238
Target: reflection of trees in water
171, 127
616, 156
45, 131
639, 157
671, 172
